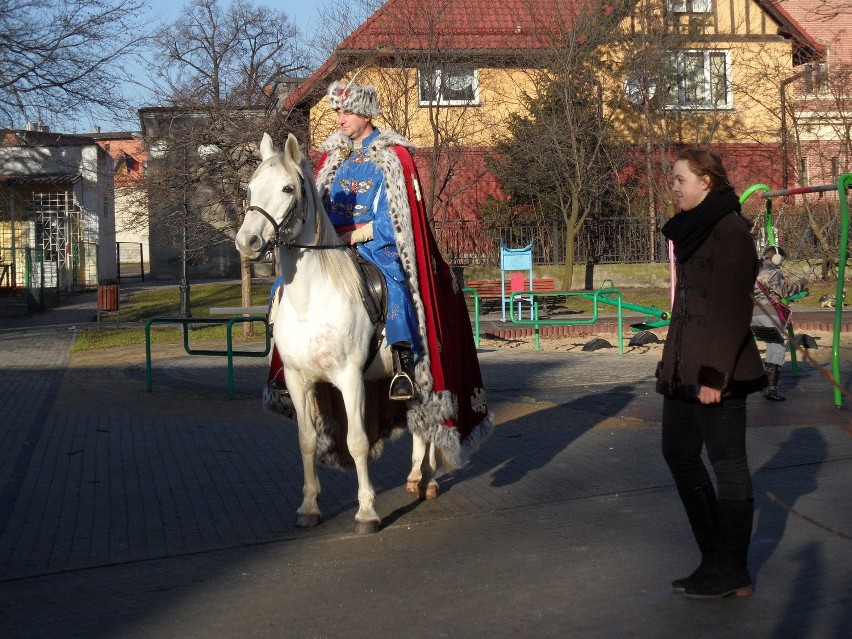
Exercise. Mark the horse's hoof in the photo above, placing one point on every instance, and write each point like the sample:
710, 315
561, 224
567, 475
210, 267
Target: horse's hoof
411, 486
307, 521
431, 492
366, 527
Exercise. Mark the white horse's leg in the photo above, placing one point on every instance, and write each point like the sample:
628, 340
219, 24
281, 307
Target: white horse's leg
308, 514
431, 488
424, 466
366, 520
418, 452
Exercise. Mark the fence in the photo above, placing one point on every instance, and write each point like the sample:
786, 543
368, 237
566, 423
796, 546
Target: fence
624, 239
42, 278
605, 240
129, 261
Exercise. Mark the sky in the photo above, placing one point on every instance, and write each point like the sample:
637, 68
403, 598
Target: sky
302, 12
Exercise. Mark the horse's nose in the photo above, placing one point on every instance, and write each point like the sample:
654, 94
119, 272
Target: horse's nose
255, 242
249, 243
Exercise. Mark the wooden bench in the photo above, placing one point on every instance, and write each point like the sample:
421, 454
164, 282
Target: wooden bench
489, 290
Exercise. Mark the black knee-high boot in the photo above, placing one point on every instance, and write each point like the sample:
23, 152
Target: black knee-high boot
731, 574
701, 510
773, 372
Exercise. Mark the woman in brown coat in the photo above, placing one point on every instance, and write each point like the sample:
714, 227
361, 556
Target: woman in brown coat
710, 364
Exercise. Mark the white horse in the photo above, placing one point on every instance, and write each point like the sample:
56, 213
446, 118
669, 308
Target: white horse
324, 334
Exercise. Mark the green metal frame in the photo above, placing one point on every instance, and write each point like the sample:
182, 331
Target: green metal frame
606, 294
230, 353
843, 183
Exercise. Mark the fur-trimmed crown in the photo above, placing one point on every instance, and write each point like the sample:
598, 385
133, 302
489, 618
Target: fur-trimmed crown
355, 98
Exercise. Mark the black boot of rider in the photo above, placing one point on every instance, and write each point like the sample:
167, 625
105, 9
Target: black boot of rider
402, 384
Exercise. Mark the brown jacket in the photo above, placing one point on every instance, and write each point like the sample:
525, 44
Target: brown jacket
709, 342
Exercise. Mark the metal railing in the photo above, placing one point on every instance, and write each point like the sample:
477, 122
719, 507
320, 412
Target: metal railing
603, 240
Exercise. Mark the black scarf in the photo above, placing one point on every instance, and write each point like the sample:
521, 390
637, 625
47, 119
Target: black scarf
689, 229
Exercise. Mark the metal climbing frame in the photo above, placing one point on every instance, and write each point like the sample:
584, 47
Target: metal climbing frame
844, 183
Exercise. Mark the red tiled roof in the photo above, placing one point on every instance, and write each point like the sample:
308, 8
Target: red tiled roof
802, 38
478, 25
829, 23
462, 25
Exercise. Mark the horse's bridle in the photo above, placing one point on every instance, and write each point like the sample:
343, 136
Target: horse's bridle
276, 240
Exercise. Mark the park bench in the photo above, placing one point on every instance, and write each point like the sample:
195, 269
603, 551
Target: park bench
490, 293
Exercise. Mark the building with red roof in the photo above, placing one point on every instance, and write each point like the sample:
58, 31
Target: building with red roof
451, 72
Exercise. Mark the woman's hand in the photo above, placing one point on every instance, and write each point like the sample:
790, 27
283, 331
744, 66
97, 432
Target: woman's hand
707, 395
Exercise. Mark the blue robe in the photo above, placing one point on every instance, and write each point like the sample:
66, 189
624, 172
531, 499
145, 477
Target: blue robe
356, 197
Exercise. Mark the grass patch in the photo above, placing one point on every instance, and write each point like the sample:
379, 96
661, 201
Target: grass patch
143, 305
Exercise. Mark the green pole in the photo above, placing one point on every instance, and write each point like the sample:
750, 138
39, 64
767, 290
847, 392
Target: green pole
843, 183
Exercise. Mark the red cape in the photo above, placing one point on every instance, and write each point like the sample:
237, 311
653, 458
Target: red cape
453, 363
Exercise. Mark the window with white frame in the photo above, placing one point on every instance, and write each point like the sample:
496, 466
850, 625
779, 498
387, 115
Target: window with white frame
689, 6
451, 86
699, 80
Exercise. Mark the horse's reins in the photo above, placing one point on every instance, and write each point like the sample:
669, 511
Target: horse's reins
370, 304
277, 226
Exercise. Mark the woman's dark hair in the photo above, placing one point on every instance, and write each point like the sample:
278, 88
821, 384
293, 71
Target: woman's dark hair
704, 163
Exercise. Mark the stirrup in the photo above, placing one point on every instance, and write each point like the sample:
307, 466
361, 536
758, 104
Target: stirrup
278, 386
401, 388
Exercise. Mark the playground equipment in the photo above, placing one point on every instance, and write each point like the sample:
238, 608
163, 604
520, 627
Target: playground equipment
843, 183
514, 259
606, 294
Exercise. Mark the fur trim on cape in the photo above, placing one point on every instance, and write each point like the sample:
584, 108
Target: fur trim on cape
428, 412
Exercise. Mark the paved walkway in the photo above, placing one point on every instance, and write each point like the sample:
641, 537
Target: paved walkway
170, 514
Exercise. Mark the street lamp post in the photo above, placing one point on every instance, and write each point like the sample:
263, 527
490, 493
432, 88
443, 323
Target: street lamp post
185, 308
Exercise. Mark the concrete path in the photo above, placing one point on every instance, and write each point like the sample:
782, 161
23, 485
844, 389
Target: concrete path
170, 514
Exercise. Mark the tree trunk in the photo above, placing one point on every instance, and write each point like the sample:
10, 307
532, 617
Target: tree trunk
245, 284
568, 269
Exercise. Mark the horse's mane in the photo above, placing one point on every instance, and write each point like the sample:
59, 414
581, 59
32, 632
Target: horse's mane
337, 263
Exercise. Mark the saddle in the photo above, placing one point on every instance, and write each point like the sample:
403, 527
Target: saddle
374, 295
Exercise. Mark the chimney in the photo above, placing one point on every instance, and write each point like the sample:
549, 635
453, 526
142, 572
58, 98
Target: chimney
96, 128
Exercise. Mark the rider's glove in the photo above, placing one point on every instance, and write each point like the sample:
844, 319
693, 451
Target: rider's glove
362, 234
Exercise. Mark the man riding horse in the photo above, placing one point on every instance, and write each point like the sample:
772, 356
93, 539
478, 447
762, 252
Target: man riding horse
371, 190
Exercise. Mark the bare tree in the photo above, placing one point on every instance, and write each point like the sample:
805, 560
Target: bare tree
427, 81
219, 70
225, 57
647, 74
558, 153
339, 18
63, 58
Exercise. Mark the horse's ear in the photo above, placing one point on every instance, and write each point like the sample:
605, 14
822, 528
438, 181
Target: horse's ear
267, 148
292, 149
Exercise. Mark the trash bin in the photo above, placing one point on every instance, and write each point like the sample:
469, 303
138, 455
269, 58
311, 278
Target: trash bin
108, 296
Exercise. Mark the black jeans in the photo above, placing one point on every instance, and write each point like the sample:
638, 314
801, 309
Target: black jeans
688, 426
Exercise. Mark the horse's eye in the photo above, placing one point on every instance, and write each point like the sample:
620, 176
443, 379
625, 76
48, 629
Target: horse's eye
288, 189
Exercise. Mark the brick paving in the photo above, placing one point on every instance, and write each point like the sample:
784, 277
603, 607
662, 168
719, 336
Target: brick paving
133, 514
